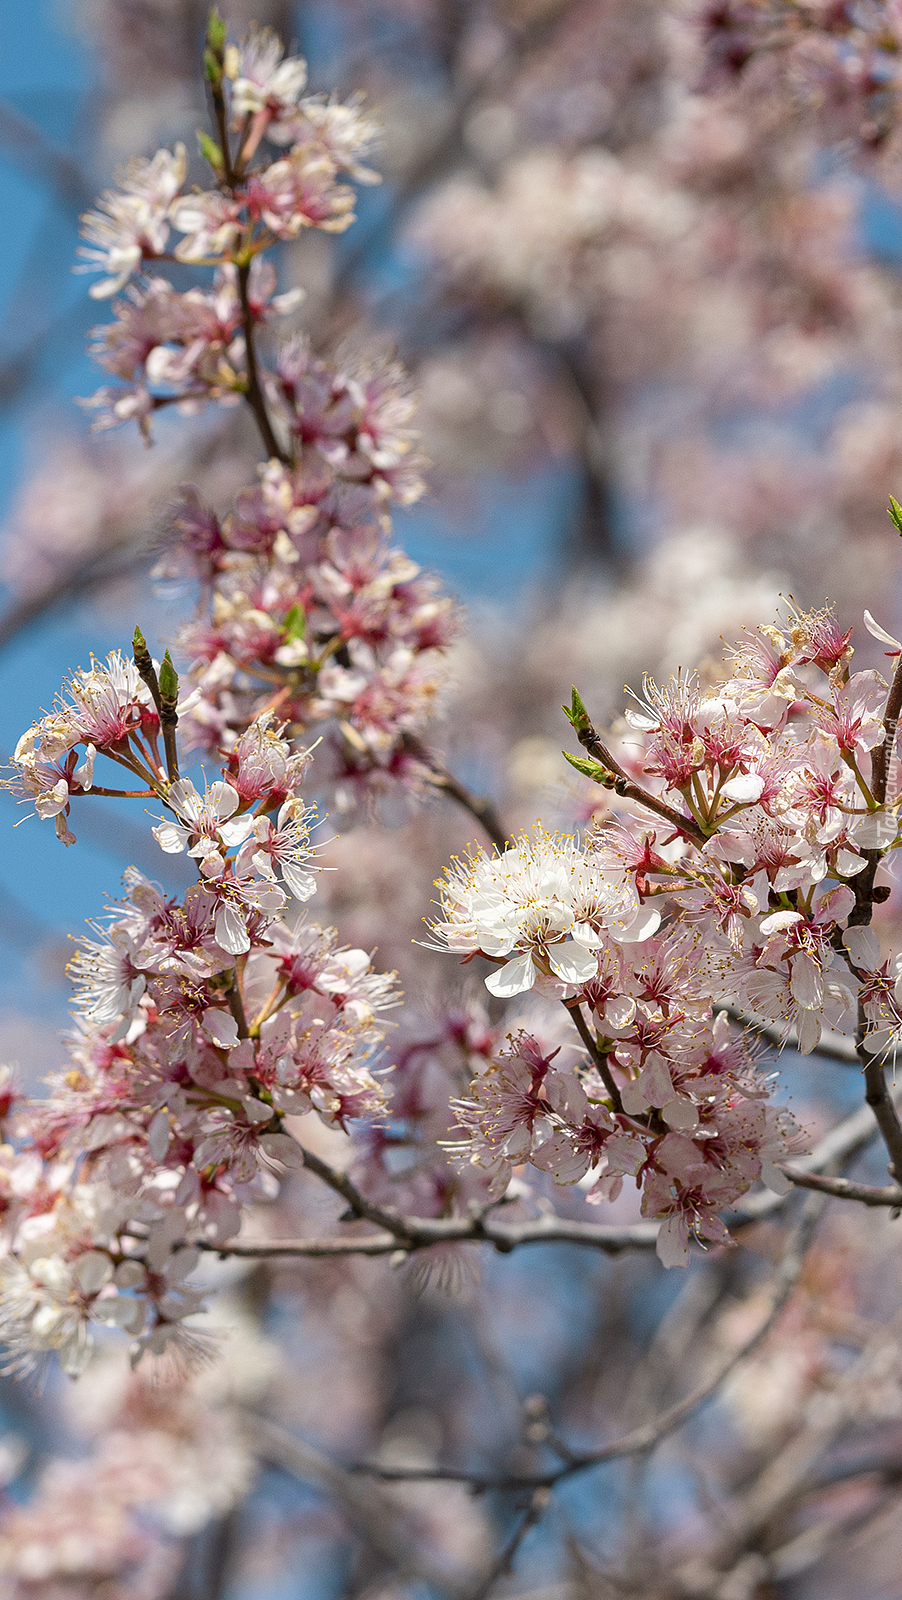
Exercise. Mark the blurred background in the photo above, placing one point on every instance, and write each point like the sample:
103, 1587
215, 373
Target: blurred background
655, 321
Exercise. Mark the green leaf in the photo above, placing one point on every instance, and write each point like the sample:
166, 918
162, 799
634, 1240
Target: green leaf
296, 623
212, 67
216, 31
169, 679
590, 769
210, 151
895, 514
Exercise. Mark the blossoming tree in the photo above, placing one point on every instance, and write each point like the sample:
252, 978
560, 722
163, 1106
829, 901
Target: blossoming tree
720, 901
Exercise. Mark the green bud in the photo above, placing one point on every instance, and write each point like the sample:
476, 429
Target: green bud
576, 713
296, 623
212, 67
895, 514
590, 769
169, 679
216, 31
210, 151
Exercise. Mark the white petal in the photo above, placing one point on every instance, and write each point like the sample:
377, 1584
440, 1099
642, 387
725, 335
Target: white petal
672, 1246
513, 978
876, 632
680, 1113
807, 983
92, 1270
158, 1136
644, 924
171, 837
775, 1179
231, 930
864, 947
875, 831
745, 788
809, 1032
301, 883
779, 921
282, 1148
220, 1026
573, 962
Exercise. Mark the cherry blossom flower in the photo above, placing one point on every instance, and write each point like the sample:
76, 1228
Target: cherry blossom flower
132, 222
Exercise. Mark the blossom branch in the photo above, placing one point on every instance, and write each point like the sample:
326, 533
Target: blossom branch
439, 778
598, 1056
842, 1144
612, 775
845, 1189
879, 1099
254, 394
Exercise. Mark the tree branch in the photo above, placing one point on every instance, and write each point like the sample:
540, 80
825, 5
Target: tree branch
406, 1234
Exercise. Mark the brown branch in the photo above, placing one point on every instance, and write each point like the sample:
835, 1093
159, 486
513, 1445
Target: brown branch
880, 1101
408, 1234
254, 394
868, 1194
388, 1528
599, 1058
236, 1006
623, 785
480, 808
538, 1505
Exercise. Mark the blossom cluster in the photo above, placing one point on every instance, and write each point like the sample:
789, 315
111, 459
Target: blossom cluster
737, 866
304, 604
841, 61
187, 347
107, 1523
202, 1022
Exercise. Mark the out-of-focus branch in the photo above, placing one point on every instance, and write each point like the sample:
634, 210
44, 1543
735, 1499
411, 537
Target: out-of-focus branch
785, 1478
26, 144
645, 1438
868, 1194
386, 1526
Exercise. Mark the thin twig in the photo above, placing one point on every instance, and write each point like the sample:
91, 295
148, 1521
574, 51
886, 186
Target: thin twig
386, 1525
538, 1505
479, 807
880, 1100
236, 1006
623, 785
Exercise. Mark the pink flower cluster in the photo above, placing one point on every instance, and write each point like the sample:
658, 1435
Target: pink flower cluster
730, 870
305, 607
188, 347
203, 1023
